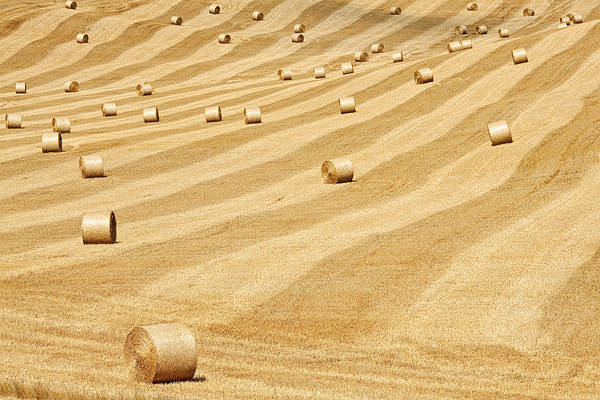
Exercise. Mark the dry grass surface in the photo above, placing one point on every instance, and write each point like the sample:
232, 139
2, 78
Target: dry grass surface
448, 268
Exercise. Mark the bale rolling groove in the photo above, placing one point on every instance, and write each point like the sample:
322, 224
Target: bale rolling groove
361, 56
91, 166
82, 38
144, 89
299, 28
252, 115
109, 109
285, 74
160, 353
151, 115
398, 57
466, 44
347, 105
99, 228
70, 4
213, 114
13, 121
258, 16
297, 38
51, 142
319, 72
472, 6
377, 48
20, 88
395, 10
481, 30
528, 12
214, 9
461, 29
503, 33
338, 170
424, 75
224, 38
347, 68
499, 133
519, 56
454, 46
61, 124
175, 20
71, 86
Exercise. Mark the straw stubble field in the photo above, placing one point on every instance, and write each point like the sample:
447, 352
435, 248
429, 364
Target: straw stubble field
448, 268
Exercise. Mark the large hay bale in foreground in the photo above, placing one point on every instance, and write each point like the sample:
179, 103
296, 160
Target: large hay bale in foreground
12, 121
499, 133
347, 105
338, 170
82, 38
99, 228
347, 68
151, 115
213, 114
424, 75
109, 109
319, 72
20, 88
175, 20
51, 142
398, 57
454, 46
519, 56
252, 115
91, 166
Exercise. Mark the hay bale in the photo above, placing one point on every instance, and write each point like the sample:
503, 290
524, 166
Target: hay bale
51, 142
565, 20
528, 12
377, 48
398, 57
299, 28
71, 86
361, 56
285, 74
395, 10
575, 18
161, 353
424, 75
13, 121
20, 88
214, 9
175, 20
224, 38
466, 44
258, 16
519, 56
70, 4
503, 33
472, 6
61, 124
109, 109
347, 105
338, 170
319, 72
252, 115
144, 89
83, 38
151, 114
461, 29
213, 114
499, 133
347, 68
297, 38
99, 228
454, 46
481, 30
91, 166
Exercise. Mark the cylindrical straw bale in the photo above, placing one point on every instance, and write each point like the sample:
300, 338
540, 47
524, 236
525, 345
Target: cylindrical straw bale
297, 38
347, 68
175, 20
161, 353
519, 56
144, 89
347, 105
499, 133
481, 30
454, 46
319, 72
151, 114
565, 20
338, 170
213, 114
377, 48
70, 4
71, 86
214, 9
461, 29
466, 44
61, 124
398, 57
91, 166
51, 142
361, 56
503, 33
13, 121
252, 115
575, 18
472, 6
109, 109
83, 38
423, 75
258, 16
395, 10
224, 38
285, 74
299, 28
99, 228
20, 87
528, 12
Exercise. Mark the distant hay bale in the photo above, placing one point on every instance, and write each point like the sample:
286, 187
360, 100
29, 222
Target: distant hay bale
175, 20
519, 56
499, 133
338, 170
503, 33
347, 68
461, 29
297, 38
565, 20
99, 228
299, 28
454, 46
319, 72
214, 9
398, 57
361, 56
377, 48
91, 166
61, 124
575, 18
528, 12
224, 38
70, 4
109, 109
20, 87
144, 89
466, 44
347, 105
13, 121
213, 114
424, 75
151, 115
472, 6
83, 38
285, 74
252, 115
51, 142
481, 30
258, 16
160, 353
395, 10
71, 86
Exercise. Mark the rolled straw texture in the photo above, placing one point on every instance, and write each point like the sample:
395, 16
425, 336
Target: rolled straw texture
51, 142
224, 38
519, 56
61, 124
423, 75
361, 56
285, 74
91, 166
13, 121
347, 68
299, 28
395, 10
258, 16
20, 87
214, 9
466, 44
70, 4
481, 30
472, 6
144, 89
454, 46
499, 133
151, 114
503, 33
71, 86
252, 115
319, 72
175, 20
398, 57
575, 18
528, 12
297, 38
99, 228
82, 38
161, 353
461, 29
377, 48
347, 105
213, 114
338, 170
109, 109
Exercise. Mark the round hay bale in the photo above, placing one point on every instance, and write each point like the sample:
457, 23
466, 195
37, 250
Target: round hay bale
454, 46
214, 9
338, 170
503, 33
99, 228
144, 89
395, 10
175, 20
61, 124
461, 29
299, 28
528, 12
519, 56
20, 88
347, 68
377, 48
499, 133
91, 166
424, 75
161, 353
565, 20
258, 16
481, 30
466, 44
83, 38
213, 114
575, 18
347, 105
224, 38
13, 121
297, 38
252, 115
361, 56
51, 142
285, 74
398, 57
109, 109
151, 114
472, 6
70, 4
71, 86
319, 72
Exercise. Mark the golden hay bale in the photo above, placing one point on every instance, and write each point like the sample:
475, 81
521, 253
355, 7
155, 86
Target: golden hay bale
347, 105
71, 86
175, 20
361, 56
252, 115
144, 89
109, 109
258, 16
466, 44
151, 114
565, 20
297, 38
528, 12
51, 142
91, 166
499, 133
377, 48
285, 74
224, 38
454, 46
338, 170
575, 18
423, 75
20, 87
503, 33
461, 29
61, 124
395, 10
213, 114
519, 56
13, 121
398, 57
299, 28
82, 38
161, 353
472, 6
481, 30
70, 4
99, 228
214, 9
319, 72
347, 68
